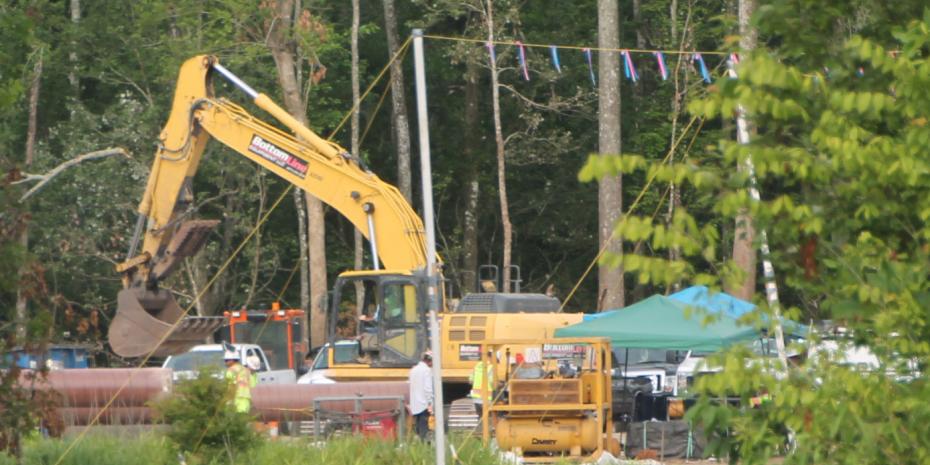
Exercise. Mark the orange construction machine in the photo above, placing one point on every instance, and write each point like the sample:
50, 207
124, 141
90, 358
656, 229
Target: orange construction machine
277, 331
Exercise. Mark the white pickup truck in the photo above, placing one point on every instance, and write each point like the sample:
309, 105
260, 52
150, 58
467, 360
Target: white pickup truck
186, 365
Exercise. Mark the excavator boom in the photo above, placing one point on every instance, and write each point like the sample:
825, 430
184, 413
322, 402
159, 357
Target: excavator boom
148, 319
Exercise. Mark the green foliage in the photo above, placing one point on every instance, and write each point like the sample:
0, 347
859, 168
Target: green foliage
203, 421
124, 56
842, 161
21, 409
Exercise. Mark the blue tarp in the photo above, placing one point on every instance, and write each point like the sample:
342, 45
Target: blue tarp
594, 316
733, 307
700, 297
662, 323
717, 302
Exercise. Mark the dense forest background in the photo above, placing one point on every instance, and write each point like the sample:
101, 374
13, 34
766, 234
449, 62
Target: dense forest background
78, 76
835, 91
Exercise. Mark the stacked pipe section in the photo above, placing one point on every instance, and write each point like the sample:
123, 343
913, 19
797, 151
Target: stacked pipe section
82, 394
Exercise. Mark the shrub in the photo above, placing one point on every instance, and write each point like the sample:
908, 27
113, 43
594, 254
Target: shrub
202, 420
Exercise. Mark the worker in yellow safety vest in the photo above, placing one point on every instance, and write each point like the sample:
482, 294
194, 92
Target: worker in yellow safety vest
241, 378
481, 374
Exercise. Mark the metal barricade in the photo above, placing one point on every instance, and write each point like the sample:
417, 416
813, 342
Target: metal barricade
357, 419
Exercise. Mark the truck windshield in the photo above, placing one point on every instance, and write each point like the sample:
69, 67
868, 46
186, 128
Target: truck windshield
271, 336
192, 361
638, 356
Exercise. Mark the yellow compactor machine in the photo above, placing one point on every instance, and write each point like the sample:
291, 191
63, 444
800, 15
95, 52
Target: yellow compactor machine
555, 399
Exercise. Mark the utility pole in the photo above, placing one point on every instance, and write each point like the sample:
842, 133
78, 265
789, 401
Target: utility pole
431, 272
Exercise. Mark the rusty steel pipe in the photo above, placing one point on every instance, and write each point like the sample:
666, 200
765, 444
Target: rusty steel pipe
291, 402
94, 387
82, 416
270, 402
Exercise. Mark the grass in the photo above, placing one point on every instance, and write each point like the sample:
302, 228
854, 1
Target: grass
97, 450
154, 449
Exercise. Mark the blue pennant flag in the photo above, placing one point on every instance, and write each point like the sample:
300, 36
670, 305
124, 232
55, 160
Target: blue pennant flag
587, 56
703, 67
555, 58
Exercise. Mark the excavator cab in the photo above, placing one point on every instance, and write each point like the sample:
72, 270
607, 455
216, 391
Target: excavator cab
385, 312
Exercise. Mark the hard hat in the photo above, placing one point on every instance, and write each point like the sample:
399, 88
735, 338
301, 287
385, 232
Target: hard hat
428, 355
253, 362
230, 355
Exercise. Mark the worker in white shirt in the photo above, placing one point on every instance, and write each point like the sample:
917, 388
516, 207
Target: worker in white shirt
421, 394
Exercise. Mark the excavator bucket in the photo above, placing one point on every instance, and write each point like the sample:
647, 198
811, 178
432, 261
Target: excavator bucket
185, 242
145, 323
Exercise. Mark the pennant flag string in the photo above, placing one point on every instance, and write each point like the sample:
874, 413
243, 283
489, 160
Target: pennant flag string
587, 55
628, 69
892, 53
574, 47
661, 60
703, 67
554, 51
522, 56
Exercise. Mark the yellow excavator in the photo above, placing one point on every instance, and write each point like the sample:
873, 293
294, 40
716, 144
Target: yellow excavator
393, 333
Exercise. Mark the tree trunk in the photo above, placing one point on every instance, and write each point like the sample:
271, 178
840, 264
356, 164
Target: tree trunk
257, 240
354, 78
610, 188
282, 50
21, 300
399, 120
357, 235
471, 150
674, 194
744, 253
637, 18
501, 161
302, 241
72, 56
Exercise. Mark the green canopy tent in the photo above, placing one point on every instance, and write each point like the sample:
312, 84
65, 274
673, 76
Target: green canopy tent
662, 323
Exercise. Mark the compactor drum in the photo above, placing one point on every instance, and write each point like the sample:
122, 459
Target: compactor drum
568, 436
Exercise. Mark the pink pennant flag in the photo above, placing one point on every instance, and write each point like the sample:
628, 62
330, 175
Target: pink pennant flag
522, 55
628, 67
661, 60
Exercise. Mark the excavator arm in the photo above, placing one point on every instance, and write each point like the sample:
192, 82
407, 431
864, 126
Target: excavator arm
146, 314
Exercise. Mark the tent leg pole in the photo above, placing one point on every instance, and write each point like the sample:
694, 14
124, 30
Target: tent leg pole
626, 369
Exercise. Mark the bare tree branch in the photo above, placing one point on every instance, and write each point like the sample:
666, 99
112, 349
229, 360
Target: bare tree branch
124, 79
44, 179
